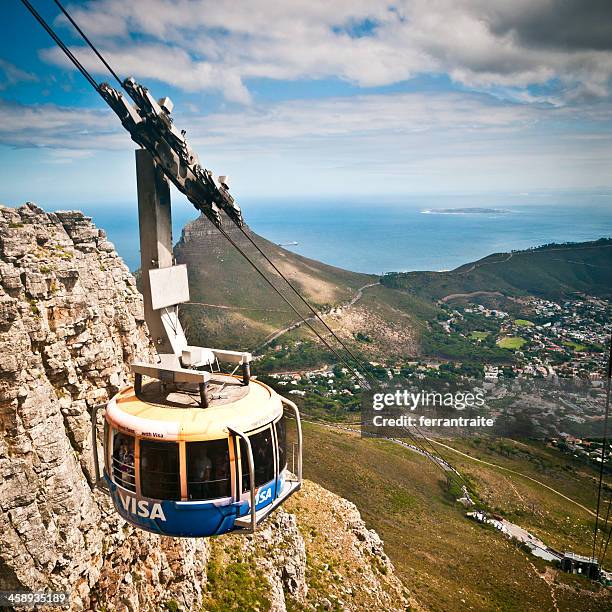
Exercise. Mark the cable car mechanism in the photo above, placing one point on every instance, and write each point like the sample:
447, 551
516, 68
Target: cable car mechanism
188, 450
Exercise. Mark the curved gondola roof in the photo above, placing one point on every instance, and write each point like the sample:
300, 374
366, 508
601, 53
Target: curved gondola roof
177, 415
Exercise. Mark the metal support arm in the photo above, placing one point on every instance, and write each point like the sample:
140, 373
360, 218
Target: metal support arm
251, 462
298, 423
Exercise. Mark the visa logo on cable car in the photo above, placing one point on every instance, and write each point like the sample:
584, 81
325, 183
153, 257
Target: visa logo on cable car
141, 508
263, 496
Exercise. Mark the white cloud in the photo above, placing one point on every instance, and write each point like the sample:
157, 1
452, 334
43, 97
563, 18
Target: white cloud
67, 128
393, 143
219, 45
59, 127
308, 123
156, 61
11, 74
364, 116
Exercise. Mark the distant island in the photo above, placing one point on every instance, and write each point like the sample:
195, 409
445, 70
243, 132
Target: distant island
465, 211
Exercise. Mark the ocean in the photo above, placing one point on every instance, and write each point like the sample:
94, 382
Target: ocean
401, 235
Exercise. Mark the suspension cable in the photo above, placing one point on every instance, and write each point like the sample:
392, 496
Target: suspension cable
439, 454
292, 287
91, 45
602, 555
605, 526
61, 45
427, 454
276, 269
276, 290
603, 446
605, 550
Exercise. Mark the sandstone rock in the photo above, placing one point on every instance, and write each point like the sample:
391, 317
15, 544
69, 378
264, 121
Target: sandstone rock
11, 278
8, 311
105, 245
52, 533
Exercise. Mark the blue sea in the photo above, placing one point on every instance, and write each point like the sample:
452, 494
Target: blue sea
395, 235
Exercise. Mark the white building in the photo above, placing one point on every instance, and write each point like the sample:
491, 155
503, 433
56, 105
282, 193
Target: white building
491, 373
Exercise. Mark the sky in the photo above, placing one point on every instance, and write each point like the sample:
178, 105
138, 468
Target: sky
348, 99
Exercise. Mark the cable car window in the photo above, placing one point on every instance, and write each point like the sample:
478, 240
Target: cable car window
263, 457
208, 469
123, 461
281, 435
159, 470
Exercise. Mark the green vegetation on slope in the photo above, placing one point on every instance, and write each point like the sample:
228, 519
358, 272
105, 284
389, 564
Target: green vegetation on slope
437, 342
553, 271
234, 584
446, 560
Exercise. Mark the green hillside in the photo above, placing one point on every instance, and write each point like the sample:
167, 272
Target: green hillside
396, 317
553, 271
232, 304
447, 561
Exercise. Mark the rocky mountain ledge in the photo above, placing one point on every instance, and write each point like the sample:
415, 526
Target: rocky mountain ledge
71, 320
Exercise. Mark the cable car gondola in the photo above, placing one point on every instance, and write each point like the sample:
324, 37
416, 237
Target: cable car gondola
190, 451
175, 468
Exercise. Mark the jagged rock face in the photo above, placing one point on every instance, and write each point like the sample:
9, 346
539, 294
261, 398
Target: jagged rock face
71, 320
281, 554
347, 567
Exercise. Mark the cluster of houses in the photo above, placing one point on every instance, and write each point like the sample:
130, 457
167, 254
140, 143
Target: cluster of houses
324, 381
487, 312
560, 342
581, 320
583, 448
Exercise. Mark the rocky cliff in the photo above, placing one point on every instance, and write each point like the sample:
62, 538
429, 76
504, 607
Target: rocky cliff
71, 320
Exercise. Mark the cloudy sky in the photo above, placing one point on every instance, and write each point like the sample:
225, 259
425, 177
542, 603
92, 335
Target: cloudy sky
310, 98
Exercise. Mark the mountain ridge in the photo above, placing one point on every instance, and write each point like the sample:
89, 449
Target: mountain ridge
544, 271
231, 304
